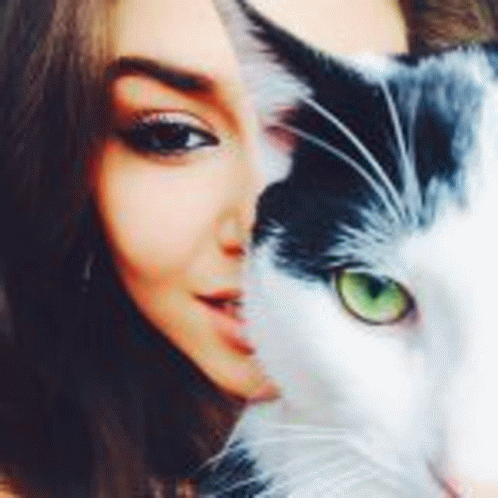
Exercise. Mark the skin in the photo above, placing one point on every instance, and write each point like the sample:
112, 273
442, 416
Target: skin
338, 26
179, 223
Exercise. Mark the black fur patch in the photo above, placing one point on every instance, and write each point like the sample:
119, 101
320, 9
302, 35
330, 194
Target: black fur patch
437, 110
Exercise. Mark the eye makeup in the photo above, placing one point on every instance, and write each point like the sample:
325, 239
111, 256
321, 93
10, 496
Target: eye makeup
152, 119
167, 133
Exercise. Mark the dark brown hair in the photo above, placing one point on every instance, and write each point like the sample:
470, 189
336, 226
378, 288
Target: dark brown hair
52, 113
93, 401
440, 24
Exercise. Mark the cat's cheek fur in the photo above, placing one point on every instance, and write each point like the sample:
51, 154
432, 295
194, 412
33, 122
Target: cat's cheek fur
373, 402
453, 264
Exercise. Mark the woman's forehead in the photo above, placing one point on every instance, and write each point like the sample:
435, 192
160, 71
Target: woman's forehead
188, 35
338, 26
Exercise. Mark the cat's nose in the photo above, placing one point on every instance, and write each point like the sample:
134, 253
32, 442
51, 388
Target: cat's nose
468, 488
472, 450
469, 390
472, 430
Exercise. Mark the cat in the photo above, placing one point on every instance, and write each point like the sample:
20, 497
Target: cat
371, 296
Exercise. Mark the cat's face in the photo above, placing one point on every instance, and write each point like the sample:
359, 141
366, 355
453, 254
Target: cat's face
372, 291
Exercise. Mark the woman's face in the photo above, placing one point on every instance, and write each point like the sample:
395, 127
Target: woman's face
176, 185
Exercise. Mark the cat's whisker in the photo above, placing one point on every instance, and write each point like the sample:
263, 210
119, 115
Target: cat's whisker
377, 222
303, 427
361, 147
361, 482
410, 183
259, 478
292, 438
358, 475
361, 479
376, 468
251, 444
306, 475
368, 471
377, 227
242, 447
268, 473
348, 160
362, 235
367, 467
215, 460
367, 246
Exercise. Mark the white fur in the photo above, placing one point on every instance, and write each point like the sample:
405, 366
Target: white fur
360, 388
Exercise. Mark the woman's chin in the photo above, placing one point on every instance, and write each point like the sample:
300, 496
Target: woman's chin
235, 370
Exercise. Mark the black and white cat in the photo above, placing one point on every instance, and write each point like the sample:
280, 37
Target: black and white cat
374, 284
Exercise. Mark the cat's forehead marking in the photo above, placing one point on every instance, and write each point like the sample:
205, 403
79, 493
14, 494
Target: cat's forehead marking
471, 63
462, 230
459, 89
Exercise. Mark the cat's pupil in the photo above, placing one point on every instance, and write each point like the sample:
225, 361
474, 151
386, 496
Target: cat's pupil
375, 286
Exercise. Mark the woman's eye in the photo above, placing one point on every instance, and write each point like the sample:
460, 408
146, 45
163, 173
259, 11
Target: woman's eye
376, 300
167, 134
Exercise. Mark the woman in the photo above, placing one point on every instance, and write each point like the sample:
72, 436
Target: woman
126, 165
129, 160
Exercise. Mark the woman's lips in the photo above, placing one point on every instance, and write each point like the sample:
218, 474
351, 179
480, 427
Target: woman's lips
224, 308
226, 302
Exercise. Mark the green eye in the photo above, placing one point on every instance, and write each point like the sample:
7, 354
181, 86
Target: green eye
376, 300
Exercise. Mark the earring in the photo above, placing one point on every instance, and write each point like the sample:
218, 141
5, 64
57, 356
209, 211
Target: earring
86, 276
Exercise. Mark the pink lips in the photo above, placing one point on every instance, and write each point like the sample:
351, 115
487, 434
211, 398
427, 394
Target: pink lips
224, 308
225, 301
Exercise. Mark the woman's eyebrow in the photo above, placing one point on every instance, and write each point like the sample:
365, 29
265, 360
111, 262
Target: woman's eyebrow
172, 76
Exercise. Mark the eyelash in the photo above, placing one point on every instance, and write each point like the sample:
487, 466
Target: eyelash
167, 134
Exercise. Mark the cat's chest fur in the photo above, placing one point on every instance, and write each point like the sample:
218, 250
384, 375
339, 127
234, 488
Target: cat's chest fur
371, 295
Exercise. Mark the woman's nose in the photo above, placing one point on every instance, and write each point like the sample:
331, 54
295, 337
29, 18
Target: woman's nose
233, 240
236, 221
239, 215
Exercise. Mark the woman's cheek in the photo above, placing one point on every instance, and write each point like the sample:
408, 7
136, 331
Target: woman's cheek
156, 218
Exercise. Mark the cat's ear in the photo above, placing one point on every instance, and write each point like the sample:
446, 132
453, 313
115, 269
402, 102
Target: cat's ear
266, 70
284, 74
275, 90
281, 71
